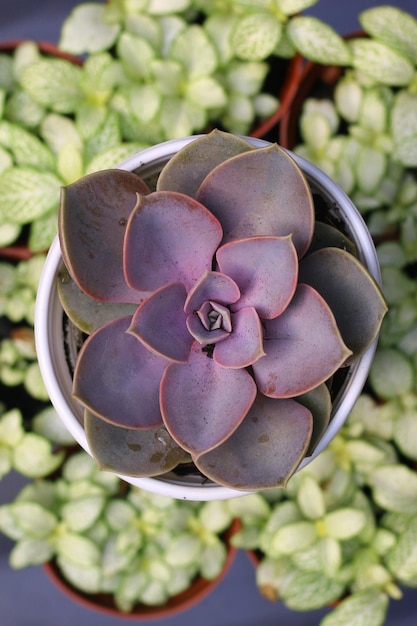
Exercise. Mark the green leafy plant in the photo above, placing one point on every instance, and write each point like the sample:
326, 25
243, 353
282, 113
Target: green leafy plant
138, 547
363, 135
185, 67
340, 532
42, 145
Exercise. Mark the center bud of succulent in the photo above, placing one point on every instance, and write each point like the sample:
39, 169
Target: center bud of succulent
210, 323
215, 316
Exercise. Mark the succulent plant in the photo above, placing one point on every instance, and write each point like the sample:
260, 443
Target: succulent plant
228, 312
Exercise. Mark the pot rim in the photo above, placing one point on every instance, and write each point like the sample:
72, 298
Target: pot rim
49, 332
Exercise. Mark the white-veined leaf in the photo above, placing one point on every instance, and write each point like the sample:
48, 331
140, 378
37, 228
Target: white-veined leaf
26, 194
86, 30
392, 26
54, 83
318, 41
366, 608
28, 552
27, 149
255, 36
395, 488
381, 63
402, 559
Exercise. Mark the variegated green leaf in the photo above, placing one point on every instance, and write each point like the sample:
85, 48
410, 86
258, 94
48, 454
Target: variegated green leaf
365, 608
32, 519
306, 591
402, 559
33, 456
28, 552
78, 550
395, 488
43, 230
57, 130
255, 36
80, 514
26, 148
344, 523
86, 30
87, 578
370, 169
318, 41
290, 7
310, 498
54, 83
381, 63
7, 75
26, 194
203, 61
392, 26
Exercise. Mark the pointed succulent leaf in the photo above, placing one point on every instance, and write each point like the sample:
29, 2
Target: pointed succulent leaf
260, 192
212, 286
159, 323
118, 379
319, 402
87, 313
282, 431
353, 295
199, 157
92, 222
244, 344
265, 269
202, 403
170, 237
132, 452
304, 334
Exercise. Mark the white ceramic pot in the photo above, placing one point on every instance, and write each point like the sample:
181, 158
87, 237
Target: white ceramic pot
49, 329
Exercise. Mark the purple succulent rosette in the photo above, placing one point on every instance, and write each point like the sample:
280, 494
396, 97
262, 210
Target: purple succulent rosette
225, 314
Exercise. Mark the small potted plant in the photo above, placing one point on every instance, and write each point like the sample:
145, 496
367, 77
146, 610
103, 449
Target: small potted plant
115, 548
225, 341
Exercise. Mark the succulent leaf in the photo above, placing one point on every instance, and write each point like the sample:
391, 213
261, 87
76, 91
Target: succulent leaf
87, 313
260, 192
169, 237
202, 403
160, 323
319, 402
326, 236
304, 334
92, 227
212, 286
265, 270
202, 155
353, 295
130, 451
265, 450
244, 345
117, 378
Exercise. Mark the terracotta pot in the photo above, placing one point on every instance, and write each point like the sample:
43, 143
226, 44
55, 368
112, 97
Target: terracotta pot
104, 603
